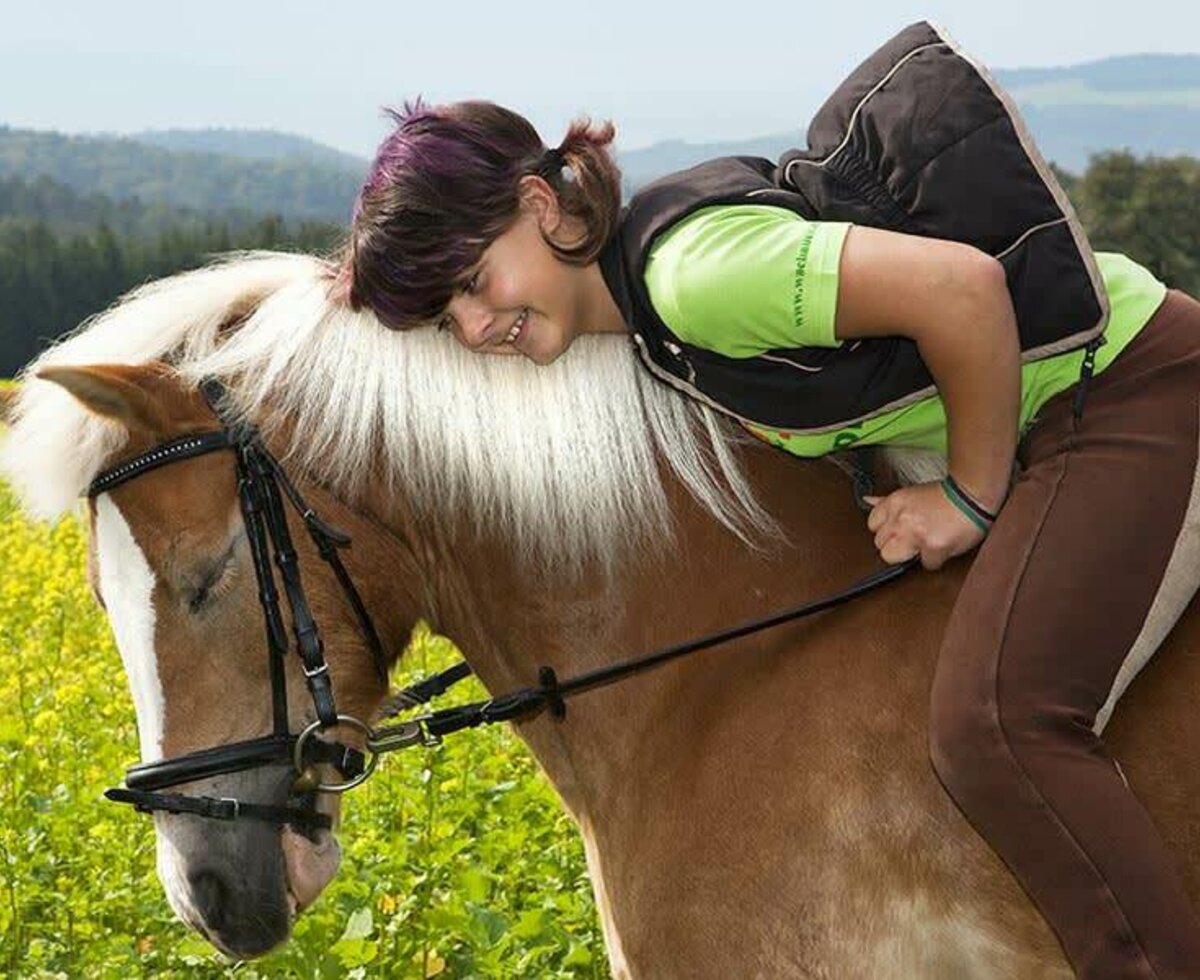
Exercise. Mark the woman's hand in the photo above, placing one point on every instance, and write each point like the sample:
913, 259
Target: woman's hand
920, 520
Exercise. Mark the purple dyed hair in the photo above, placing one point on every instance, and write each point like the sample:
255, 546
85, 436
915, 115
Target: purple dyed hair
444, 185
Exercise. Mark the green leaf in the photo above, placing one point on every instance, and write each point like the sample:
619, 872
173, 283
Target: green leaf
475, 884
578, 955
355, 952
359, 925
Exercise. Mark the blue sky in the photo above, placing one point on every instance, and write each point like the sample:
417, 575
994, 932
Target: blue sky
698, 71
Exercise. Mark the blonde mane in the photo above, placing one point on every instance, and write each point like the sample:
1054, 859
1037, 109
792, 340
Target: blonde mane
564, 460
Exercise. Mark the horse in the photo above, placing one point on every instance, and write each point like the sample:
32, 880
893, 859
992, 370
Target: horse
763, 809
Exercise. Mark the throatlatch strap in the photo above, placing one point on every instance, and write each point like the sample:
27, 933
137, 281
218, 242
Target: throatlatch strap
424, 691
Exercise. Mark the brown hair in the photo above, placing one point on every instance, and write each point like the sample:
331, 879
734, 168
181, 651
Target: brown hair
445, 184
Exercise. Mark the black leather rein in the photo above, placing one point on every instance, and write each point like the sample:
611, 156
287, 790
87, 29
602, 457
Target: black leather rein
260, 482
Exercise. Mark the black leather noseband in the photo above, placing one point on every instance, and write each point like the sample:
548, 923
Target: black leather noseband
262, 488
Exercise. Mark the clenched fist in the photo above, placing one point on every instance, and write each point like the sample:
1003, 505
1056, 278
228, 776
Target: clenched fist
920, 520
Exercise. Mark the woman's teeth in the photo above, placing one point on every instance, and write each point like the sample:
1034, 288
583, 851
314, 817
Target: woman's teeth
517, 327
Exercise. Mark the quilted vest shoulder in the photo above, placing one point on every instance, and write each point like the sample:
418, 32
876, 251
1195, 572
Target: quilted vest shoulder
889, 149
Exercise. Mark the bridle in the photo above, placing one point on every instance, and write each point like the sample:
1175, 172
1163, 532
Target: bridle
260, 482
261, 479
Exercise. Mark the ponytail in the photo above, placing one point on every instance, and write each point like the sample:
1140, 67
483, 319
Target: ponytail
590, 190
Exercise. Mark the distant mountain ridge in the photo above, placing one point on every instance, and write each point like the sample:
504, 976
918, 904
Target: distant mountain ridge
122, 168
252, 144
1149, 104
1129, 72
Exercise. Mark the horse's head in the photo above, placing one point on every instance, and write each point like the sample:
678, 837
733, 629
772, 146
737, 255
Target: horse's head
170, 560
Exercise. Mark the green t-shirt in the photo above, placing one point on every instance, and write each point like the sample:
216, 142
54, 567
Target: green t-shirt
746, 278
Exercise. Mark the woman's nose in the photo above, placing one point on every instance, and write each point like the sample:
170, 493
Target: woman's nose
473, 318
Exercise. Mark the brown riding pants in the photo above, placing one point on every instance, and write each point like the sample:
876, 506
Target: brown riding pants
1092, 560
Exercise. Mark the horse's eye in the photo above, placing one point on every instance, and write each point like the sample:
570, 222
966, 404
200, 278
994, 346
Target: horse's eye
214, 583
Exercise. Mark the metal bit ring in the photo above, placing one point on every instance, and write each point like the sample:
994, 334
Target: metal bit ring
372, 755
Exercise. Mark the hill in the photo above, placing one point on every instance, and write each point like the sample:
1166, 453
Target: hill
253, 144
66, 211
1149, 104
123, 168
1116, 80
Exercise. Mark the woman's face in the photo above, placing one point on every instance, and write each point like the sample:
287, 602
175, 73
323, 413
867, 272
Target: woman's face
520, 297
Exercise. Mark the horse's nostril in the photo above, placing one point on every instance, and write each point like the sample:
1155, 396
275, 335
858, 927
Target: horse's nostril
211, 897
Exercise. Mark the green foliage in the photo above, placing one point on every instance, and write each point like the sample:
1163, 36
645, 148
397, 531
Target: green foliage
69, 213
252, 144
124, 168
458, 861
64, 256
1149, 209
50, 283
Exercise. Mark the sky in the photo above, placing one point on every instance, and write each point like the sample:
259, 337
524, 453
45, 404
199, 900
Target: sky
697, 71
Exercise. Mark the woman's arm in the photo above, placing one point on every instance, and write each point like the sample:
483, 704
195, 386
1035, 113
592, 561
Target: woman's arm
952, 300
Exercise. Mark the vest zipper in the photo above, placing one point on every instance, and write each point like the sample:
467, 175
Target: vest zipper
677, 351
1085, 373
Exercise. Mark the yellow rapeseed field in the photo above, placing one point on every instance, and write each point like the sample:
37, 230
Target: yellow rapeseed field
458, 861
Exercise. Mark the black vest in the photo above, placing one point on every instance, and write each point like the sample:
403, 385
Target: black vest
919, 139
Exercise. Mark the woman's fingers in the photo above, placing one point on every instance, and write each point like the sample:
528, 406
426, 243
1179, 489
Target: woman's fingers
895, 545
878, 516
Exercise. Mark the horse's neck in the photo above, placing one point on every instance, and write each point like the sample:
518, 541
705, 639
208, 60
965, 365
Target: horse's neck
508, 622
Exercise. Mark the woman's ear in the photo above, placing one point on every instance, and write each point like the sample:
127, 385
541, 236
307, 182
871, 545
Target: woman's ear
539, 199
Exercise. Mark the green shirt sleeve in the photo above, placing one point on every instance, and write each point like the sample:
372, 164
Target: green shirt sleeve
746, 278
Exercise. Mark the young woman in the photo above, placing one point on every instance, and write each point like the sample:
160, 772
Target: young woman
468, 223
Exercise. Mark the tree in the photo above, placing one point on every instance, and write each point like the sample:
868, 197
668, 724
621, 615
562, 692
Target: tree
1149, 209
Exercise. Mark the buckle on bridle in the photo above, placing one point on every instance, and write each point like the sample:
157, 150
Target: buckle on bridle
401, 736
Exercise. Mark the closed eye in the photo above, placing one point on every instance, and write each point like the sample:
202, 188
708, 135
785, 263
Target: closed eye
470, 287
215, 583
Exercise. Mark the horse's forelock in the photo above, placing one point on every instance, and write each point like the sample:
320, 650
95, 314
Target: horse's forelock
54, 446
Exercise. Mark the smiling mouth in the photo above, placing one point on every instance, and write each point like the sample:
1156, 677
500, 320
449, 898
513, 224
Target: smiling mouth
517, 327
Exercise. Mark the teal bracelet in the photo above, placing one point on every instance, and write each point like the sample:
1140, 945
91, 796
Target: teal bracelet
950, 489
970, 501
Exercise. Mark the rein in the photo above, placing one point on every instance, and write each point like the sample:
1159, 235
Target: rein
551, 692
263, 488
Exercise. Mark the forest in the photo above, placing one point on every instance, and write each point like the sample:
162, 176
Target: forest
65, 255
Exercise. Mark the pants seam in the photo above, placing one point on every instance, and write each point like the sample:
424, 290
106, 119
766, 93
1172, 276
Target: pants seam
1122, 920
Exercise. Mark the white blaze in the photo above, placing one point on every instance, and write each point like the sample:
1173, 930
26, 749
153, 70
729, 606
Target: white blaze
127, 586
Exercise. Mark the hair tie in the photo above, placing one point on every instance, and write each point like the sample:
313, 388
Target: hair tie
552, 163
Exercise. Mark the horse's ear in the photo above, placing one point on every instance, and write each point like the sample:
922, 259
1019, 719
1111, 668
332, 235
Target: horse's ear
116, 391
8, 402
